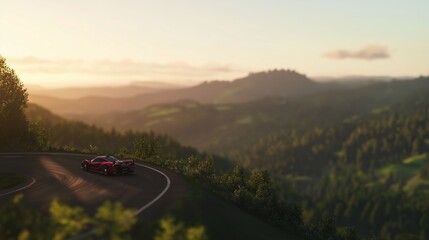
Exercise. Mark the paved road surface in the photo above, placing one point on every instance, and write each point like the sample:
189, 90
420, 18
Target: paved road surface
60, 175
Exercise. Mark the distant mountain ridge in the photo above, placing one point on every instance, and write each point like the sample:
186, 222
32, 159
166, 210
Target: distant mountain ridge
215, 127
275, 83
133, 89
267, 84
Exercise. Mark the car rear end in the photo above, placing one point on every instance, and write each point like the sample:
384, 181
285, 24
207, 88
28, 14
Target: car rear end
123, 167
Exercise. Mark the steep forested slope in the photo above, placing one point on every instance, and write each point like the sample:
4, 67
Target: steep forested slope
57, 132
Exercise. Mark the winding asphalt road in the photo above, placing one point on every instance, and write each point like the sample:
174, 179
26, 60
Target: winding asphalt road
150, 190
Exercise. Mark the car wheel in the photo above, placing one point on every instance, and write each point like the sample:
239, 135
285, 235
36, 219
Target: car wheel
85, 166
105, 171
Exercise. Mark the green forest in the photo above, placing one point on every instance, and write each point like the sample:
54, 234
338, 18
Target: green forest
371, 175
336, 164
221, 127
343, 165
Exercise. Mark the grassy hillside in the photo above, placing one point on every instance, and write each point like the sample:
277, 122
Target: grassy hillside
411, 172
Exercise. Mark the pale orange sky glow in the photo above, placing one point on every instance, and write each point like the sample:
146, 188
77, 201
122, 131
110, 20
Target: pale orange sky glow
46, 72
70, 43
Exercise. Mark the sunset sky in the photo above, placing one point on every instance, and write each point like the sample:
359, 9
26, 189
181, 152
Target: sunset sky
69, 43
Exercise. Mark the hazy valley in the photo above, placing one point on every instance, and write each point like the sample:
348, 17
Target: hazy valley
313, 137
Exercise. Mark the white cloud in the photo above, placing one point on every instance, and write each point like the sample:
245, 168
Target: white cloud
368, 52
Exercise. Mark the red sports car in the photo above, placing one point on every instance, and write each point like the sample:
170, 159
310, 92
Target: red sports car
108, 165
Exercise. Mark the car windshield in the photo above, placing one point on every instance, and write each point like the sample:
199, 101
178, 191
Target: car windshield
111, 158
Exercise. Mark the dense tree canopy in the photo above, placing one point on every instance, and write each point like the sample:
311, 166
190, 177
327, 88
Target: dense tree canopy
13, 99
371, 174
356, 159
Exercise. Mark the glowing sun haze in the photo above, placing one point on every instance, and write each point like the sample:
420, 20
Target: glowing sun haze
69, 43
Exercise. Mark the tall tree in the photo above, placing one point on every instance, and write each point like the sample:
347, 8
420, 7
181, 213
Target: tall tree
13, 100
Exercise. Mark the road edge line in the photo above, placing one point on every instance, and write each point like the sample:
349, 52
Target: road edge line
159, 195
140, 210
33, 181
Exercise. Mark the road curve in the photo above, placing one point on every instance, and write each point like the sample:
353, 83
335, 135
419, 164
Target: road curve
149, 190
